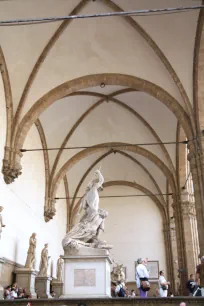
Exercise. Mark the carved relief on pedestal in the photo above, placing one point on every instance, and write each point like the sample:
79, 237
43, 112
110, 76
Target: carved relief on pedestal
84, 277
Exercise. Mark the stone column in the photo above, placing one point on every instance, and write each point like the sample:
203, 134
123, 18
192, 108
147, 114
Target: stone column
174, 255
197, 171
188, 214
169, 256
180, 242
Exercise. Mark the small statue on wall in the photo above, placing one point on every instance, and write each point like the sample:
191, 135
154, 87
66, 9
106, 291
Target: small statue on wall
60, 263
30, 261
44, 261
1, 221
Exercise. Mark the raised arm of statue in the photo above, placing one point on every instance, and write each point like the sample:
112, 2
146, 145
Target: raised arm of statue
100, 178
91, 198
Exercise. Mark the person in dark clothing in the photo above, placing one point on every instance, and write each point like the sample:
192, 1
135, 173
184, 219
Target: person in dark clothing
191, 284
113, 286
200, 275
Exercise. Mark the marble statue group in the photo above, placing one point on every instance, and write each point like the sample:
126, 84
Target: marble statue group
86, 233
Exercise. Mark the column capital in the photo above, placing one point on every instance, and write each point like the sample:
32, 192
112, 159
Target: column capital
193, 157
49, 210
188, 208
11, 172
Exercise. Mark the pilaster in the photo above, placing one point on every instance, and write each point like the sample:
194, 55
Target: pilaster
188, 215
196, 164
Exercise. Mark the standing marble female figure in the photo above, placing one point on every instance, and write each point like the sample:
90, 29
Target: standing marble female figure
1, 220
60, 263
30, 261
44, 261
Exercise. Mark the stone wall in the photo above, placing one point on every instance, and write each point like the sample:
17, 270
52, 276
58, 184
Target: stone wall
7, 268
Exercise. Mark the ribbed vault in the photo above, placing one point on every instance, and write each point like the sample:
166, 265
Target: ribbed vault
98, 88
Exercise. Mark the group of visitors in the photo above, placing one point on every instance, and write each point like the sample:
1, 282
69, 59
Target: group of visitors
13, 292
195, 286
120, 290
142, 280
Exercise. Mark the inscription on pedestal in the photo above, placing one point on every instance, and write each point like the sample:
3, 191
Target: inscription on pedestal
84, 277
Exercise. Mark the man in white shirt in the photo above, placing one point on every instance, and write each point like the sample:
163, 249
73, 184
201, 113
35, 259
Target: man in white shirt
13, 294
163, 285
141, 275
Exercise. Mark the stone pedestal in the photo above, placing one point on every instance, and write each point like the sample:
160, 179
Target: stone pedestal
42, 286
87, 274
25, 278
1, 292
57, 287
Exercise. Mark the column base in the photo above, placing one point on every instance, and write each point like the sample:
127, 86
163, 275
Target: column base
25, 278
42, 285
